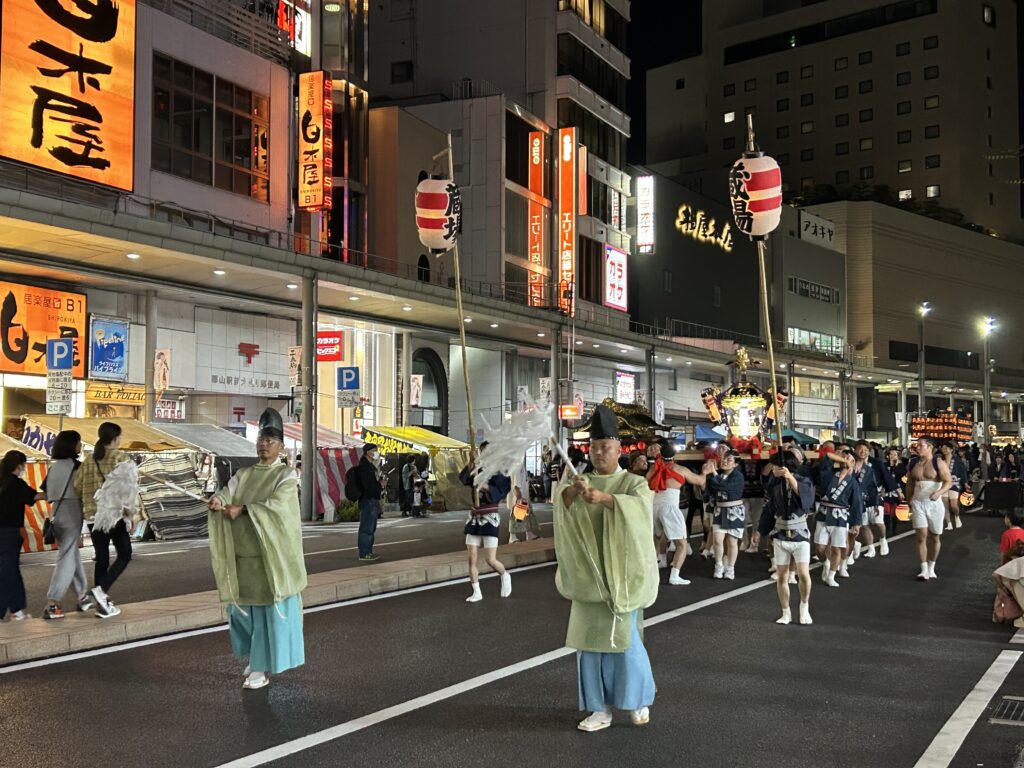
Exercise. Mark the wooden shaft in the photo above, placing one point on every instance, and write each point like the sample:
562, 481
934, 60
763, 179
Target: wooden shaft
766, 316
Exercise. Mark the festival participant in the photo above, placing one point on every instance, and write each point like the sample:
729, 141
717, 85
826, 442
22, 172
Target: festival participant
839, 513
961, 480
927, 482
483, 527
784, 520
896, 469
256, 552
873, 479
607, 568
726, 491
666, 478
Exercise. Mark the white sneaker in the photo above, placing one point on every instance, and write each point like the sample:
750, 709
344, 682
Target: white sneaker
785, 618
595, 721
477, 596
730, 573
843, 573
805, 613
931, 570
923, 574
20, 616
870, 551
678, 581
100, 598
719, 571
883, 547
825, 573
506, 584
640, 716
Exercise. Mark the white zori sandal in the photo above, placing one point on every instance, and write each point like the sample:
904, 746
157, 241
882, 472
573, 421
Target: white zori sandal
256, 680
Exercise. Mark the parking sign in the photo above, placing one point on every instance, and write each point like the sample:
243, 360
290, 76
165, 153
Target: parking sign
60, 354
348, 379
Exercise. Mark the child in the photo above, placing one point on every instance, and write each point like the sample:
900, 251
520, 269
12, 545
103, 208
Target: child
1011, 546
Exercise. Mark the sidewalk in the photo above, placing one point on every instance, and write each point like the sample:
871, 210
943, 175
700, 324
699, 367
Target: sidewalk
38, 638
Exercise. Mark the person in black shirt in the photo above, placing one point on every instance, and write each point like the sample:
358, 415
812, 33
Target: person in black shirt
15, 495
372, 486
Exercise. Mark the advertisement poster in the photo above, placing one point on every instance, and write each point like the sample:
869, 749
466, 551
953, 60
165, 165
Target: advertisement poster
108, 349
162, 372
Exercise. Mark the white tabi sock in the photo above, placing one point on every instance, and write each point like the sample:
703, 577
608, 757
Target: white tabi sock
805, 613
931, 570
786, 617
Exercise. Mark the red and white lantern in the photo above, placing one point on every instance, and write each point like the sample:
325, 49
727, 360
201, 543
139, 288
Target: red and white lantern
755, 192
438, 213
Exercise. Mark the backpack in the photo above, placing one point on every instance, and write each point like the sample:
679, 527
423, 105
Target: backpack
353, 488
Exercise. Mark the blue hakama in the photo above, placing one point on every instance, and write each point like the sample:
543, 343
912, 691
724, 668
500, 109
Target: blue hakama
616, 680
270, 636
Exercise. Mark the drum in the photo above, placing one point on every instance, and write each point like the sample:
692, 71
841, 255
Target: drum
903, 512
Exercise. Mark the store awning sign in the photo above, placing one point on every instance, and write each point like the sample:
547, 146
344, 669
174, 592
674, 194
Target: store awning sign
67, 86
29, 317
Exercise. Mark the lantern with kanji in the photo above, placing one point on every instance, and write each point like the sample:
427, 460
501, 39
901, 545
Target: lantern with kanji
755, 193
438, 213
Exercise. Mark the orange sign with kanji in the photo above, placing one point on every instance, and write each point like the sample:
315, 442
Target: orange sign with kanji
28, 317
568, 412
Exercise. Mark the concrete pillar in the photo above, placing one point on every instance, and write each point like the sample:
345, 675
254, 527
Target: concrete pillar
149, 411
651, 386
405, 380
556, 374
904, 432
309, 415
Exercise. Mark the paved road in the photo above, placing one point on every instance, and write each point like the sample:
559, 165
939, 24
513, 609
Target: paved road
422, 679
164, 569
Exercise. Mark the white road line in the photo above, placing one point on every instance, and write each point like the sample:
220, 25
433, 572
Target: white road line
1018, 637
947, 742
350, 549
167, 552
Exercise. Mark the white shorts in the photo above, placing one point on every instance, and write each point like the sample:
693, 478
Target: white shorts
487, 542
874, 515
831, 535
668, 519
925, 513
797, 551
736, 533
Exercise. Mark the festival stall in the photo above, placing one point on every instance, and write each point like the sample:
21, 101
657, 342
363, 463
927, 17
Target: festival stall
223, 452
447, 459
35, 473
332, 464
169, 512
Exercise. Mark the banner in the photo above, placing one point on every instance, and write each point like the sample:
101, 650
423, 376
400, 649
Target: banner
162, 372
416, 389
108, 349
68, 88
28, 317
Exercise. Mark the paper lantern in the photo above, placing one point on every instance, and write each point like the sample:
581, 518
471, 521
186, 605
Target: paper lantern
438, 213
755, 193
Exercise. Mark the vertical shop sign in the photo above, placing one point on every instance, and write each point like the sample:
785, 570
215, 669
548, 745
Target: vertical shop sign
315, 141
68, 87
645, 214
329, 346
108, 349
625, 387
566, 219
29, 317
615, 289
535, 237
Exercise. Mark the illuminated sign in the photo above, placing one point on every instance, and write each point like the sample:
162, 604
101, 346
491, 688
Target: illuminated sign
67, 95
567, 219
645, 213
582, 192
568, 412
615, 278
694, 223
315, 141
294, 18
616, 221
328, 346
625, 387
28, 317
535, 237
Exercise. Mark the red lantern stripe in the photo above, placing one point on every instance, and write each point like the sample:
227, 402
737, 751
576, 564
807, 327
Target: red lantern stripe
430, 223
432, 200
764, 204
762, 180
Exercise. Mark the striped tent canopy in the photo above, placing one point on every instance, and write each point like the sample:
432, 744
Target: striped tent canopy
331, 466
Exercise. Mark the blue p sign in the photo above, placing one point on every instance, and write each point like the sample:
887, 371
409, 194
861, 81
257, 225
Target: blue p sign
348, 379
60, 354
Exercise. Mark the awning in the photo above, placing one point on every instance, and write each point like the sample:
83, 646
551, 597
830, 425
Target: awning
135, 436
8, 443
705, 434
800, 437
417, 438
211, 439
325, 438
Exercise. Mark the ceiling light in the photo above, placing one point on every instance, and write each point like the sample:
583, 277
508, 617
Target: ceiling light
624, 350
540, 335
596, 346
353, 298
407, 308
803, 369
668, 359
870, 378
782, 366
292, 286
219, 272
494, 325
688, 362
133, 256
579, 343
468, 319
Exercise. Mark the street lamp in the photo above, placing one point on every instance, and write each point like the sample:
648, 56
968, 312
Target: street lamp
987, 326
922, 311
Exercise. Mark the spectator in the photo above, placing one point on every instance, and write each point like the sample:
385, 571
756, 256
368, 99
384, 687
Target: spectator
1011, 545
371, 487
638, 463
409, 472
15, 495
67, 522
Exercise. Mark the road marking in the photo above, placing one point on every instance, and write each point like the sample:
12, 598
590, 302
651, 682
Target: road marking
1018, 637
420, 702
350, 549
167, 552
950, 738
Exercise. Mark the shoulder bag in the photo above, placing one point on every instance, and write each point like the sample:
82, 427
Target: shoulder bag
49, 532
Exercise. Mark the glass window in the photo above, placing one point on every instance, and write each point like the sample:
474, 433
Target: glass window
988, 15
932, 41
680, 83
932, 161
807, 126
729, 89
729, 117
932, 191
932, 72
864, 57
902, 78
931, 131
903, 137
866, 144
782, 132
729, 142
866, 115
842, 91
931, 102
781, 105
806, 155
867, 172
865, 86
903, 166
842, 177
902, 49
842, 63
807, 71
903, 108
750, 85
783, 159
842, 119
806, 99
781, 77
905, 194
843, 148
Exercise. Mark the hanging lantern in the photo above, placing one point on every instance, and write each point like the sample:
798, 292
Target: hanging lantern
755, 193
744, 403
438, 213
775, 409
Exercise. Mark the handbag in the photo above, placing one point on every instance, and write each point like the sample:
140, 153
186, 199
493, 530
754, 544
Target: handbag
521, 510
49, 530
1005, 607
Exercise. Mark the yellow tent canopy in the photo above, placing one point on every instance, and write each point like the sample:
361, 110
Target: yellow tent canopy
447, 455
135, 436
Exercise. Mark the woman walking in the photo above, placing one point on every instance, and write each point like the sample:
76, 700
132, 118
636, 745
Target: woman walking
66, 512
15, 495
88, 479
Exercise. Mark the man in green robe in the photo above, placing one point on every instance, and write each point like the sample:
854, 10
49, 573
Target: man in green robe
256, 551
607, 567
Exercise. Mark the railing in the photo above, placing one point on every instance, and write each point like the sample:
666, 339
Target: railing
473, 88
245, 23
